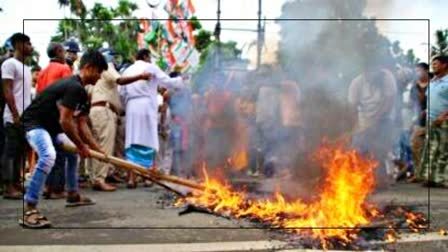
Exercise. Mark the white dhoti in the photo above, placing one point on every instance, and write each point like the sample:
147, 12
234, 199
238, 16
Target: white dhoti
141, 123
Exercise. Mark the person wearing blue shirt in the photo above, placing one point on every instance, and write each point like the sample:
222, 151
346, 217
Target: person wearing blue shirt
435, 156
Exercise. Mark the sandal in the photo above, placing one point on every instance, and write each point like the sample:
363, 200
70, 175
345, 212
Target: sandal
78, 200
39, 221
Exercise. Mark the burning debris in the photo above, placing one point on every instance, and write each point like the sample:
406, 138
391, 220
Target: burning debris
339, 217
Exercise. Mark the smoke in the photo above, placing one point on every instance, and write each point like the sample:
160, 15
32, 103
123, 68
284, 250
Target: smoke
324, 57
281, 113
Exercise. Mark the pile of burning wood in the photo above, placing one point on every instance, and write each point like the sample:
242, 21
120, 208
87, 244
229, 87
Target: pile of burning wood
338, 217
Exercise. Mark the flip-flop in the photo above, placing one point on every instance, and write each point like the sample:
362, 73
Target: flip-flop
79, 201
40, 221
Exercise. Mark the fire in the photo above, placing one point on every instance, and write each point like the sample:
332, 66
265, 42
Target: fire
415, 221
443, 232
349, 179
391, 236
238, 161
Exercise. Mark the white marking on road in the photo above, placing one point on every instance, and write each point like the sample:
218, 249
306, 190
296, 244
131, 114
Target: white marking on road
406, 238
180, 247
200, 247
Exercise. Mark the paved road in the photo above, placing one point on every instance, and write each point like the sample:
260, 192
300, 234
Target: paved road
137, 218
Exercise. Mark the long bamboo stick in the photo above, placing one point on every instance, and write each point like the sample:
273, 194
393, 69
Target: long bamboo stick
138, 169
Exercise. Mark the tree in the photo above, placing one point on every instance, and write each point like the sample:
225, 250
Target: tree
97, 26
77, 7
404, 60
203, 40
441, 46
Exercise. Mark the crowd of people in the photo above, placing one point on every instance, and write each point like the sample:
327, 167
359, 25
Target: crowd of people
142, 114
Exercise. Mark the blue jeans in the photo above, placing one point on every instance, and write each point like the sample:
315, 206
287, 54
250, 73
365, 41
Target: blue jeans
56, 178
43, 144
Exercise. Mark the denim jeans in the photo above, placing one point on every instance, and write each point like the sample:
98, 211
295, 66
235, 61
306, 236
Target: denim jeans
44, 145
56, 178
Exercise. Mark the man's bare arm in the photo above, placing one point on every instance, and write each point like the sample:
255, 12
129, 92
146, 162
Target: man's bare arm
10, 99
130, 79
69, 126
86, 135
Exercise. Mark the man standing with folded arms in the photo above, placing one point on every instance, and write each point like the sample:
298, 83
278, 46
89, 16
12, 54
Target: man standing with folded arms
16, 83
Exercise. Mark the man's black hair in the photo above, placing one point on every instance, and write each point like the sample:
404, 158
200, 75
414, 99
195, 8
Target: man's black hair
19, 38
174, 74
423, 66
441, 58
94, 58
52, 49
142, 53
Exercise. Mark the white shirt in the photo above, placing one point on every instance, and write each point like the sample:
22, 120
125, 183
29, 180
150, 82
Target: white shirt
13, 69
144, 88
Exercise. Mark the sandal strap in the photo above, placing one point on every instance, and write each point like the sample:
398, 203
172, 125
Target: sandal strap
38, 218
31, 212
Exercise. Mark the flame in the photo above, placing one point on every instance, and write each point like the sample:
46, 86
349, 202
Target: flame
415, 221
239, 160
443, 232
341, 203
391, 236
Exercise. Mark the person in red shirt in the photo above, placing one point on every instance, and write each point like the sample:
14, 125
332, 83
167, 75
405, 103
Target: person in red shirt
56, 70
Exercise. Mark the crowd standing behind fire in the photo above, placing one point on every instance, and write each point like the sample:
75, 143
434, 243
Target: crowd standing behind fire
149, 117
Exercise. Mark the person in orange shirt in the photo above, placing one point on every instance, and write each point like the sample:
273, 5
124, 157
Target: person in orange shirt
56, 70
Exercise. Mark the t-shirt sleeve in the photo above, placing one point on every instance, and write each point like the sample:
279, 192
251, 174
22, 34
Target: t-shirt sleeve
8, 70
74, 96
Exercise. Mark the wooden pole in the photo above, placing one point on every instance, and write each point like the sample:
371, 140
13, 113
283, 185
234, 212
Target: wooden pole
153, 175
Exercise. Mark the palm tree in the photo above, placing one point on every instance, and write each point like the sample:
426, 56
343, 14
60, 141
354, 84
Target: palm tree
441, 45
77, 7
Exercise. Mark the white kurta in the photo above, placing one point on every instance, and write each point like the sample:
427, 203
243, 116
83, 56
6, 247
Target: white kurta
141, 104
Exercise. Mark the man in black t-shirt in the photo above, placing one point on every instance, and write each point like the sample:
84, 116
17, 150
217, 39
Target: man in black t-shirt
61, 108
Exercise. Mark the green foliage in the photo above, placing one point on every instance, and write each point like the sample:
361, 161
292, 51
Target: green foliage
97, 26
405, 60
195, 23
203, 40
441, 45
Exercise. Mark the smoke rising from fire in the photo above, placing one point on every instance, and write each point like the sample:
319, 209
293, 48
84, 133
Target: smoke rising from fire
317, 61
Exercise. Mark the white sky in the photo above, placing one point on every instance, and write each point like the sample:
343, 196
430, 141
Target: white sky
411, 34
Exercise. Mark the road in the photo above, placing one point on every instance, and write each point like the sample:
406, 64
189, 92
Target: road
137, 220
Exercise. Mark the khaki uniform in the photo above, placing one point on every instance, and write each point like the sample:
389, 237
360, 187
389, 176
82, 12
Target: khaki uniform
104, 119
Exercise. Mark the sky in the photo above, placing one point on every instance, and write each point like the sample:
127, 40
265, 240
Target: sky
411, 34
